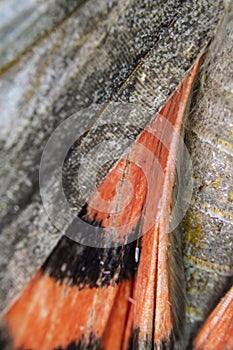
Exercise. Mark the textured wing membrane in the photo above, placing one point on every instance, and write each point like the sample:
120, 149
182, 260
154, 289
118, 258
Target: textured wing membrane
110, 309
127, 49
137, 287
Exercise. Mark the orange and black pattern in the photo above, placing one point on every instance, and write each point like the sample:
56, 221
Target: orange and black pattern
114, 299
131, 296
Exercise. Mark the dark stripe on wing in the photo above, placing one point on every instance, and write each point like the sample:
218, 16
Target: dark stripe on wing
92, 344
95, 267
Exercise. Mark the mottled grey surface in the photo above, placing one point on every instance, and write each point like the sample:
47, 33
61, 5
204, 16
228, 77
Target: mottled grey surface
208, 225
133, 51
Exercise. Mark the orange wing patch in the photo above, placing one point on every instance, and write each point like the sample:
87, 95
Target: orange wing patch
50, 315
217, 331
